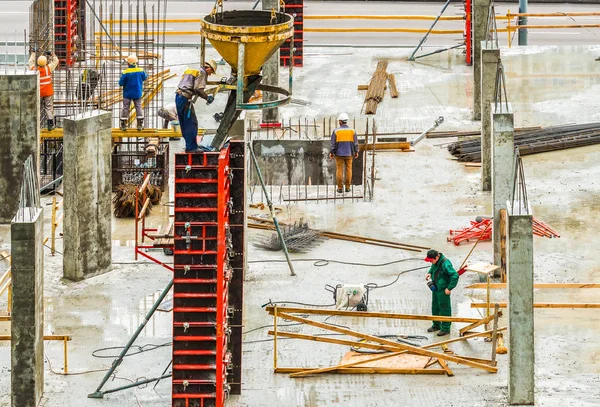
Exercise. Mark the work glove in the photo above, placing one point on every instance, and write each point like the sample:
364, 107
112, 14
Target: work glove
224, 80
210, 99
462, 271
48, 53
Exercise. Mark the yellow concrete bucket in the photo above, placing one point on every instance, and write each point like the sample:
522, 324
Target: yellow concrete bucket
262, 33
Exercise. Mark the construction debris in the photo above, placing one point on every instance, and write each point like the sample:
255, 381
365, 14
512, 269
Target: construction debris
124, 200
340, 236
535, 141
377, 87
298, 237
385, 347
481, 229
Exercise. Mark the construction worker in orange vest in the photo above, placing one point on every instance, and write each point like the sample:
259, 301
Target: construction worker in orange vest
344, 147
132, 80
46, 64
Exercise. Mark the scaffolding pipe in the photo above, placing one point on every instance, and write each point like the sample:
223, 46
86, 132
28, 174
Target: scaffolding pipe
412, 56
98, 394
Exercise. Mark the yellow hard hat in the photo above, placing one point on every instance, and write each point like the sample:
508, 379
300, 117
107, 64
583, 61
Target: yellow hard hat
42, 61
132, 59
212, 64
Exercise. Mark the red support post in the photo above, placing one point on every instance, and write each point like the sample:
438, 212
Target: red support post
468, 32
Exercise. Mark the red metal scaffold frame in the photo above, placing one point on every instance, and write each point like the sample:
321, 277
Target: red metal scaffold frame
140, 218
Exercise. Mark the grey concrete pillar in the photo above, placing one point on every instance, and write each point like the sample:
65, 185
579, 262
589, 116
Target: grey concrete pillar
27, 323
19, 135
523, 21
503, 129
521, 381
490, 55
271, 72
87, 179
480, 17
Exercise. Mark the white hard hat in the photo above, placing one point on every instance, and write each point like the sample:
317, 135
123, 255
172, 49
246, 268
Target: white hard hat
132, 59
343, 117
212, 64
42, 61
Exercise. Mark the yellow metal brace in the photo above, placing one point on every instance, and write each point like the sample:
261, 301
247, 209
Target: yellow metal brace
118, 133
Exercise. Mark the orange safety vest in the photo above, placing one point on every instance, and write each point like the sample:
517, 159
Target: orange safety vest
46, 88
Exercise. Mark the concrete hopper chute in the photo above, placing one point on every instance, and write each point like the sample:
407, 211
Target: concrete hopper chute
246, 39
261, 32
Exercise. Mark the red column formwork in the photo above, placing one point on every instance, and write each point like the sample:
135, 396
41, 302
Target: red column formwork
468, 32
65, 30
203, 246
296, 9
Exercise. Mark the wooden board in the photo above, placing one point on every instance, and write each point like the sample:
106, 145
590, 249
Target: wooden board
545, 305
403, 361
538, 285
164, 236
483, 268
385, 146
366, 87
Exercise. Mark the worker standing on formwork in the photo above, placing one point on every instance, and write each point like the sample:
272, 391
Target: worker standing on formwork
191, 86
344, 147
132, 80
441, 279
46, 64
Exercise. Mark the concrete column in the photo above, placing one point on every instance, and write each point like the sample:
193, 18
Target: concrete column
523, 21
271, 72
19, 135
480, 17
87, 177
27, 324
503, 129
490, 55
520, 309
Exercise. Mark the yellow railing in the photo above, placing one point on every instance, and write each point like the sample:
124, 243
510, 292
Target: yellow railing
64, 338
56, 219
510, 28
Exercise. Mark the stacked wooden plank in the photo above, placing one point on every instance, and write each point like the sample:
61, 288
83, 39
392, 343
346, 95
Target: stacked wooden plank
393, 88
376, 89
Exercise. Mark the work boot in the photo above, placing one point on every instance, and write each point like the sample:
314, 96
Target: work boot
443, 333
123, 125
347, 189
140, 124
50, 124
339, 191
433, 329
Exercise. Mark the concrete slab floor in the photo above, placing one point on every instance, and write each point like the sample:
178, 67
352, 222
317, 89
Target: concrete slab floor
419, 197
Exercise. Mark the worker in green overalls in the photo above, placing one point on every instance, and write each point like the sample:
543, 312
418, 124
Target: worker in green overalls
441, 279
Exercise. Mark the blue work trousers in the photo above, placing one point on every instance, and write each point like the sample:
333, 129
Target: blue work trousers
187, 121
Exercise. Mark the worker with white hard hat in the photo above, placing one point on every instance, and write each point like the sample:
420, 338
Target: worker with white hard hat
192, 85
132, 80
344, 147
45, 65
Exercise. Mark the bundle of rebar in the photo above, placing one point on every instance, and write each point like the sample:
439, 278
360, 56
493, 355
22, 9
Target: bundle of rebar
376, 89
535, 141
298, 237
124, 200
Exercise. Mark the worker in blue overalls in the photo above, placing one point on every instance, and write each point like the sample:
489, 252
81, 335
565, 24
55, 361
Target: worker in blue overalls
132, 80
191, 86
